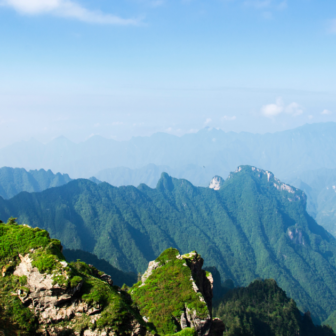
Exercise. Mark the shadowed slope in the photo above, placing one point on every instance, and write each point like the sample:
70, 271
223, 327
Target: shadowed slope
254, 226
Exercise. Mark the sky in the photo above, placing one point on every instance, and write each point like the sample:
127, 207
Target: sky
119, 69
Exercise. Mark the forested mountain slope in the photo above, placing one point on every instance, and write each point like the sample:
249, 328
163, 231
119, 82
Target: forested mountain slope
41, 293
254, 226
15, 180
320, 187
262, 309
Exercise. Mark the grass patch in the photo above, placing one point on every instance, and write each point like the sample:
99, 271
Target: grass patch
167, 292
185, 332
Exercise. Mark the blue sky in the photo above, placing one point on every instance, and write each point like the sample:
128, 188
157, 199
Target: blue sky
134, 67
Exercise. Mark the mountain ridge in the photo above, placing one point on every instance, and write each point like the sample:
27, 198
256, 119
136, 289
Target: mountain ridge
254, 226
16, 180
285, 153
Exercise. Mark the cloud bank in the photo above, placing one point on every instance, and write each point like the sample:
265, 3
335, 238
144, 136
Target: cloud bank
273, 110
67, 9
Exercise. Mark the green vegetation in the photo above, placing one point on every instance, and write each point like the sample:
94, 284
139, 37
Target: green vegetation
116, 307
14, 240
331, 320
264, 309
260, 309
119, 277
15, 180
185, 332
117, 310
167, 292
319, 185
248, 229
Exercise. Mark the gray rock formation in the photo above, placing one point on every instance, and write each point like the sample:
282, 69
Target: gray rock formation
53, 304
216, 182
202, 282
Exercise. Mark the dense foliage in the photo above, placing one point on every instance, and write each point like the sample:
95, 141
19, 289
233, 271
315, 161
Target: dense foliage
252, 227
167, 292
15, 180
119, 277
263, 309
331, 320
320, 187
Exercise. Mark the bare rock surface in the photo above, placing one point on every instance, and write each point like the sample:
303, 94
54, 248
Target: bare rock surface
54, 304
216, 183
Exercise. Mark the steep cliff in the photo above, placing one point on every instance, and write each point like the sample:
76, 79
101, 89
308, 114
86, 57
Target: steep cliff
175, 293
216, 183
42, 294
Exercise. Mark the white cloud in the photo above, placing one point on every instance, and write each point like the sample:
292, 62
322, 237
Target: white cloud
326, 112
310, 117
294, 109
65, 8
208, 121
273, 110
117, 123
227, 118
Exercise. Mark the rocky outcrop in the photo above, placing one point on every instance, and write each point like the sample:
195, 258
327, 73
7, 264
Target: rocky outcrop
296, 235
49, 301
151, 267
54, 304
216, 183
201, 282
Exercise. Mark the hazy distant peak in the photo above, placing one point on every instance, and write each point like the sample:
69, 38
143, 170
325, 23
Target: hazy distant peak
61, 140
216, 182
98, 140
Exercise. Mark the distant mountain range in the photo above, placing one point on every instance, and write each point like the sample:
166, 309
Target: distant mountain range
150, 175
196, 157
253, 227
15, 180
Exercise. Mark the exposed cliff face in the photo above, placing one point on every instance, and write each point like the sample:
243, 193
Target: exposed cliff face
176, 286
216, 183
54, 304
44, 295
